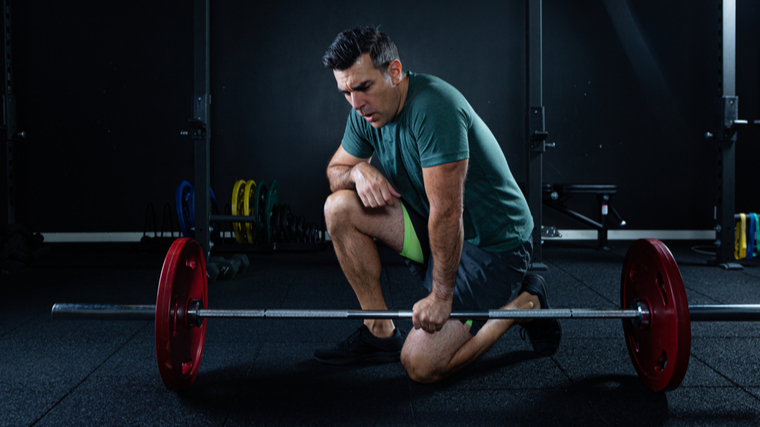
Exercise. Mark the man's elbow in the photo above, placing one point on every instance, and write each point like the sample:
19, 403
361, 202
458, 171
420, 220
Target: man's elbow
446, 213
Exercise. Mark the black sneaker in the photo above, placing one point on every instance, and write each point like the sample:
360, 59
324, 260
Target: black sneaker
362, 347
545, 334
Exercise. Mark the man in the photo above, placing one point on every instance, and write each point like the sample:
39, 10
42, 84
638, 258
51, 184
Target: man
449, 205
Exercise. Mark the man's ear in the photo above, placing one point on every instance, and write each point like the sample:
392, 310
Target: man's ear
395, 71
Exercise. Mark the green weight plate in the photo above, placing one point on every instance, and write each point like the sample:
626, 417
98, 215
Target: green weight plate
276, 237
259, 204
250, 192
283, 223
292, 228
301, 229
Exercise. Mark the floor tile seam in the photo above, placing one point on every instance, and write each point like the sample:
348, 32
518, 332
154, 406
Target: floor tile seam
732, 387
388, 282
267, 334
722, 337
574, 277
693, 290
411, 400
53, 406
561, 369
247, 375
466, 390
737, 385
29, 320
601, 417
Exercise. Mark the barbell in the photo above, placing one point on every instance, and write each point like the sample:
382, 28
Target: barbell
654, 310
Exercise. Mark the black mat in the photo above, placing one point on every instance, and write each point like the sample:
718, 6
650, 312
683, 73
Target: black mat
261, 372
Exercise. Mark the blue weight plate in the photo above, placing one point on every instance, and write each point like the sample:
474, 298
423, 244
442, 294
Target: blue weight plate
181, 200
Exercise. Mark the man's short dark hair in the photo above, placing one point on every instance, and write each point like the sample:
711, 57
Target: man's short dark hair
353, 43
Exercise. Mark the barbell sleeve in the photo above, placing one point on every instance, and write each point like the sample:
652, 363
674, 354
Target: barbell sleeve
728, 313
104, 311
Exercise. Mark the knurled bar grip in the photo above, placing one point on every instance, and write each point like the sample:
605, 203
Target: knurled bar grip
407, 314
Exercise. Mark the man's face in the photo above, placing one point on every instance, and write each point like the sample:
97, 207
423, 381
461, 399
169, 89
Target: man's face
371, 93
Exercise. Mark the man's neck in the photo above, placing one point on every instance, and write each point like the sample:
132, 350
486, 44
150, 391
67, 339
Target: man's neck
403, 91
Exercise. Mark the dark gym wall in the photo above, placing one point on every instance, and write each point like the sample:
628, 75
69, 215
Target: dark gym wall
104, 90
629, 90
277, 113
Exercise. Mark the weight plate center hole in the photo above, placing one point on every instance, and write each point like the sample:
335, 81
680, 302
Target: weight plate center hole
661, 363
661, 287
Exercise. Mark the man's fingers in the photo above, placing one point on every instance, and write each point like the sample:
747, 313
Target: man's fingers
388, 195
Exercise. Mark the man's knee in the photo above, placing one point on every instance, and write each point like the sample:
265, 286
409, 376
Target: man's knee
418, 369
418, 365
339, 206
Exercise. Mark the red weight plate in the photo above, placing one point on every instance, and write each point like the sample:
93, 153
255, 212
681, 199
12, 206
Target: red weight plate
660, 351
179, 346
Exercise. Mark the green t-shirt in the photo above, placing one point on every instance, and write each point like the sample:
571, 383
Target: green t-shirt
437, 125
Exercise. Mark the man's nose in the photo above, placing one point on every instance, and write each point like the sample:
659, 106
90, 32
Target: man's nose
357, 100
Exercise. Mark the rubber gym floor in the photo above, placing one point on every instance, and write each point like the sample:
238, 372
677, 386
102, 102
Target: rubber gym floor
261, 372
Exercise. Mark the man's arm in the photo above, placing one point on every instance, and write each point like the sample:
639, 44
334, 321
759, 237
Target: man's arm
444, 185
347, 172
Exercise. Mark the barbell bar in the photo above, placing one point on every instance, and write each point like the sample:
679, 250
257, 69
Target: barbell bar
656, 317
704, 313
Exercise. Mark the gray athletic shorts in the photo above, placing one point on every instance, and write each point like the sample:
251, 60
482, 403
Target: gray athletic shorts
485, 280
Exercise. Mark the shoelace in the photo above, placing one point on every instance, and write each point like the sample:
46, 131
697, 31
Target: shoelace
356, 337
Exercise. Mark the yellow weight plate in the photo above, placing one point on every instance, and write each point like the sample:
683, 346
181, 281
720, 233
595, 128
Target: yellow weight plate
237, 209
250, 227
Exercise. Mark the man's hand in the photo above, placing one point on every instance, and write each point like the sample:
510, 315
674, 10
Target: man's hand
431, 313
373, 189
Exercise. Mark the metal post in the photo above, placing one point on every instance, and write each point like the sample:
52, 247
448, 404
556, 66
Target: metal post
726, 139
201, 133
536, 133
9, 115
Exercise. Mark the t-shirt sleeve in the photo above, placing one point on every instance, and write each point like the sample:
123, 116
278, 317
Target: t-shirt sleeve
355, 140
441, 128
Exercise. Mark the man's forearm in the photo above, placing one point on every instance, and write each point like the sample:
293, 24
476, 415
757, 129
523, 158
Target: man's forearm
340, 177
446, 238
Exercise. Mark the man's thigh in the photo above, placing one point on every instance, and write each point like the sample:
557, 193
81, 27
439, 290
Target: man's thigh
386, 224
